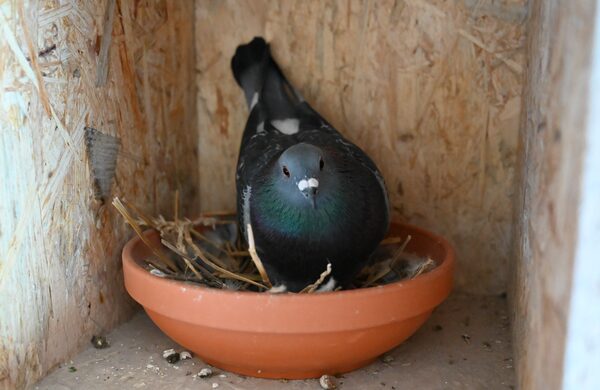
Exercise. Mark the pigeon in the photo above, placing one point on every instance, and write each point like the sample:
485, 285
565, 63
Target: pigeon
312, 198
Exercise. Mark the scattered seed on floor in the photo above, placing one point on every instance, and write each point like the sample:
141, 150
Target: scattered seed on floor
185, 355
327, 382
388, 359
205, 373
100, 342
171, 356
168, 352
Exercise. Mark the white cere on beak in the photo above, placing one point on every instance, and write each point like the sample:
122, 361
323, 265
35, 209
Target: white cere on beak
304, 184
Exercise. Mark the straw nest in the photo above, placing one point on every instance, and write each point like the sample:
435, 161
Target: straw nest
208, 251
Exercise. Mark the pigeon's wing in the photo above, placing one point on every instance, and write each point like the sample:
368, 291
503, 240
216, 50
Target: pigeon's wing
261, 144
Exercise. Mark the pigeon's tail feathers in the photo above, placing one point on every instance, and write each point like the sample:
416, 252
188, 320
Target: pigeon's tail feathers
261, 79
248, 66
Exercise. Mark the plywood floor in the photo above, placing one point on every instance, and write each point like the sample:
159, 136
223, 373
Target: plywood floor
464, 345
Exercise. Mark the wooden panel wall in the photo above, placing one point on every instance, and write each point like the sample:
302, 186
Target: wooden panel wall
430, 89
60, 270
551, 148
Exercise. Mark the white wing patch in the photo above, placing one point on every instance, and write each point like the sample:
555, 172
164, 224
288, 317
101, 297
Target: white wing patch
287, 126
260, 129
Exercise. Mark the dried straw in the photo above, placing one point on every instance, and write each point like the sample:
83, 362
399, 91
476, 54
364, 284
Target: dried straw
383, 271
255, 258
217, 264
313, 287
198, 252
164, 259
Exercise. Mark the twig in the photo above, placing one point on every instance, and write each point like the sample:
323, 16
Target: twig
255, 258
147, 221
386, 270
312, 287
400, 251
391, 241
198, 252
206, 239
423, 267
121, 209
185, 258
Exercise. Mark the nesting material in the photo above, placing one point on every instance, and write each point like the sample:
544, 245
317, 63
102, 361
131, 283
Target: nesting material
208, 251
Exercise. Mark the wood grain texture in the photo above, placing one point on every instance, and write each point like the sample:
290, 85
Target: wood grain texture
60, 269
551, 151
430, 89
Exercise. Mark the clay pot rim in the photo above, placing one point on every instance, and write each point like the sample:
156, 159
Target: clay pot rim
446, 266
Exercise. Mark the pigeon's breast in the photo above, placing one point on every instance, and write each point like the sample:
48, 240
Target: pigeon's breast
334, 220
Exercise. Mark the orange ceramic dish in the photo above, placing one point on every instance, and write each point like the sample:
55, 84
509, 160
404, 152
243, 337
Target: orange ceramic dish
292, 335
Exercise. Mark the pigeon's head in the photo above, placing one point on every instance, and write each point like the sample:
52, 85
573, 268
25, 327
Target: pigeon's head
300, 172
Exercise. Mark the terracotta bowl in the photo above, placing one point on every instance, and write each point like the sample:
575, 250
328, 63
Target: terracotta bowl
292, 336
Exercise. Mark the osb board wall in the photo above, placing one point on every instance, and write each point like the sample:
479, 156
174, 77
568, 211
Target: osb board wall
430, 89
60, 272
551, 143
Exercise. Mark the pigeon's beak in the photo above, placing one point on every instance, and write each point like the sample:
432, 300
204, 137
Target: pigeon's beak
309, 189
311, 195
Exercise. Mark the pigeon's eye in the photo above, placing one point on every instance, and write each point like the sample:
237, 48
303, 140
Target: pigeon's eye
286, 172
321, 164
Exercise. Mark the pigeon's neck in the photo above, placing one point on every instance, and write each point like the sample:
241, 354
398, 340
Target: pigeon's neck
298, 221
